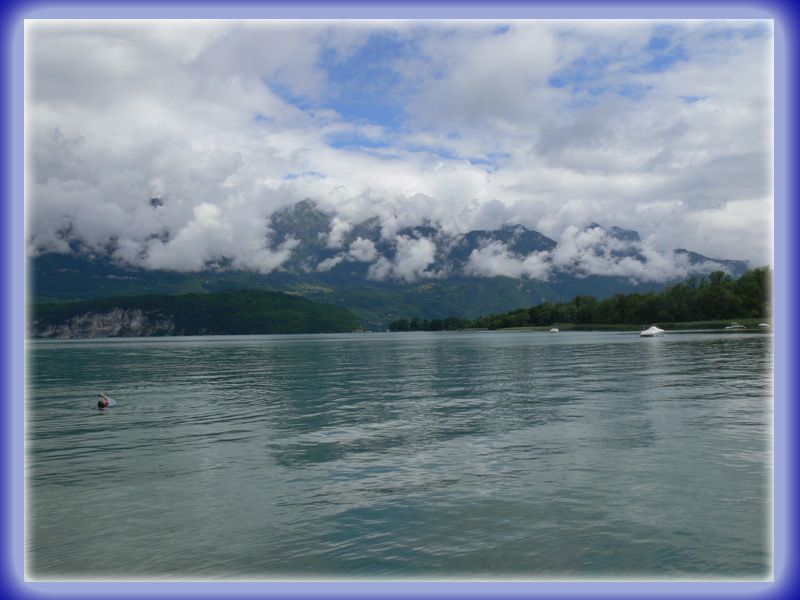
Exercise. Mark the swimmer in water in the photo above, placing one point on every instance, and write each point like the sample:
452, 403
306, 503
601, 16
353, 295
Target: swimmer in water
103, 402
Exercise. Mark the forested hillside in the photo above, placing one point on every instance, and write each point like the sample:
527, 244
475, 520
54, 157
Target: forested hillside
717, 296
234, 312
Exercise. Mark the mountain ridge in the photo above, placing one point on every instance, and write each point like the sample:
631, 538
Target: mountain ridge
460, 253
418, 269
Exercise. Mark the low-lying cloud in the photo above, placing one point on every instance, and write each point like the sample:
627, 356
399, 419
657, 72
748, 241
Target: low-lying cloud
495, 259
411, 262
579, 252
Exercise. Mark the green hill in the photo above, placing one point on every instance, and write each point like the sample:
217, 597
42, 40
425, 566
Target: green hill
222, 313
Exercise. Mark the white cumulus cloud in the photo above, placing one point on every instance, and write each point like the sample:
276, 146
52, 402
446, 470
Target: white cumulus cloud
469, 125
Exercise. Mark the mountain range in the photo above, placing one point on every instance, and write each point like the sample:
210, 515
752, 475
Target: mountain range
382, 275
368, 250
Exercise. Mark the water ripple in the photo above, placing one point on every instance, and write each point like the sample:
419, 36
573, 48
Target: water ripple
418, 455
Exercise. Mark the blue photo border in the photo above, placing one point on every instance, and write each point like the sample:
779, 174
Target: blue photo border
12, 299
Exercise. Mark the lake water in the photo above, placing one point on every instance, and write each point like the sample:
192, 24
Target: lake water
409, 455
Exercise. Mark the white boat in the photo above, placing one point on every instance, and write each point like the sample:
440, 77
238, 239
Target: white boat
763, 325
735, 326
554, 330
653, 331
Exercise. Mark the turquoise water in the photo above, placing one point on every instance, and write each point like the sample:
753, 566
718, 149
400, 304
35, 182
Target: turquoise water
423, 455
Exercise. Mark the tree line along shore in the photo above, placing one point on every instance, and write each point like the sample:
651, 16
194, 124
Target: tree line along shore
708, 302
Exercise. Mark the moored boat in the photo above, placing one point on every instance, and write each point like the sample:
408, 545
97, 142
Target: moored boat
652, 331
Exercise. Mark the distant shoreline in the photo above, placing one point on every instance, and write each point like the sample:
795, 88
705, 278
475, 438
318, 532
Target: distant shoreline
716, 325
751, 326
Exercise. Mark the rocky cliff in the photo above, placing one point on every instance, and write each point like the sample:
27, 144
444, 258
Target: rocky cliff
115, 323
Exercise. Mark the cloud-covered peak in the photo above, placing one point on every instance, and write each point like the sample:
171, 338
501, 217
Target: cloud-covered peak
177, 144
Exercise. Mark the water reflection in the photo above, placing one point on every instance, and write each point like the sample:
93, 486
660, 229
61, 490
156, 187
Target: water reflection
416, 455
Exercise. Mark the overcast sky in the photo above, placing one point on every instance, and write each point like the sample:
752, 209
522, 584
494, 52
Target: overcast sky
661, 127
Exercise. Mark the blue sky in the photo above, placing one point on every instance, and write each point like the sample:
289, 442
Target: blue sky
661, 127
368, 85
